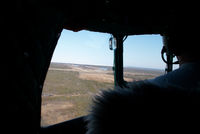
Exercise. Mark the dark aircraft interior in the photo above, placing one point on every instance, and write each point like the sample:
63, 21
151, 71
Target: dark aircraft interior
30, 33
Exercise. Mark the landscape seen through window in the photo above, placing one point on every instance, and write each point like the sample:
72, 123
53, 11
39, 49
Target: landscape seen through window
71, 83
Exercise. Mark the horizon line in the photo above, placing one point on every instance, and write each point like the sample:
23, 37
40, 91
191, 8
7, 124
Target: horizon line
109, 65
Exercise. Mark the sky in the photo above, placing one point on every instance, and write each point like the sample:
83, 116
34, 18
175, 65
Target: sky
86, 47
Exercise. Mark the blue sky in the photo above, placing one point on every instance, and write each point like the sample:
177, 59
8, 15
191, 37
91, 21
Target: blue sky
85, 47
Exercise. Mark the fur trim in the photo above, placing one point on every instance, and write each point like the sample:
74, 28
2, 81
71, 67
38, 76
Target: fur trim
143, 107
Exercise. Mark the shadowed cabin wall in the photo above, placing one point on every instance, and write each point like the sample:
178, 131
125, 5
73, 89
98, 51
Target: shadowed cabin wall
30, 34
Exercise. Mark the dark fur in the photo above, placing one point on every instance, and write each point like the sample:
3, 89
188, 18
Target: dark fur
144, 107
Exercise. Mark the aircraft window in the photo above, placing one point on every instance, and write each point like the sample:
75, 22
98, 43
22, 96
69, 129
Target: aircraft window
80, 66
142, 58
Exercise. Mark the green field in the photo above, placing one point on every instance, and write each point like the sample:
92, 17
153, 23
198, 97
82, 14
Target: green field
69, 89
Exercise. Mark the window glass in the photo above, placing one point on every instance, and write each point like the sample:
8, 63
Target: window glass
80, 67
142, 57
